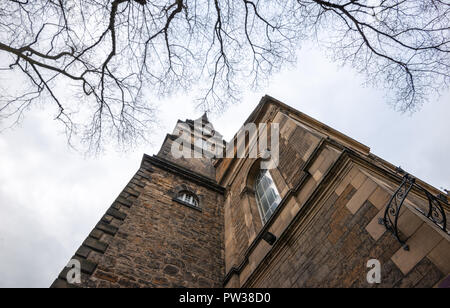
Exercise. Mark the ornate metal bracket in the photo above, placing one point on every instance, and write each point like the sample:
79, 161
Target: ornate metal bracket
436, 211
392, 212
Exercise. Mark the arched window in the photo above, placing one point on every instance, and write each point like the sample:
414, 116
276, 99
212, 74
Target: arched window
189, 198
267, 195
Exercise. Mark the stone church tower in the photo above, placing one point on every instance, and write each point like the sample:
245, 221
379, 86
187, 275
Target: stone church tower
326, 214
154, 234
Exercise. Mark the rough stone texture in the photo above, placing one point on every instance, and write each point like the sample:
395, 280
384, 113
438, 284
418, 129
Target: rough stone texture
329, 243
421, 243
154, 241
321, 259
333, 192
296, 146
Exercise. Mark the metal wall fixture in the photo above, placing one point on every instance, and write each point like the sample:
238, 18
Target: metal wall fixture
436, 212
392, 212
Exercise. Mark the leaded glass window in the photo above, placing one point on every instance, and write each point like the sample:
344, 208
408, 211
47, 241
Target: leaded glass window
267, 195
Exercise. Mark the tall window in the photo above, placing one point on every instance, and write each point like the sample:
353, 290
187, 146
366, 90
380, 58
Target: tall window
267, 195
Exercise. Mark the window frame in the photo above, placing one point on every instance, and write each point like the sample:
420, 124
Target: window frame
184, 196
270, 187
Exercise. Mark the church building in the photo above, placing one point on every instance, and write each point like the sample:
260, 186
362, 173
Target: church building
311, 207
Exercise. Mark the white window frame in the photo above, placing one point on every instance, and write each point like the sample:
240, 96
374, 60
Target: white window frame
188, 198
266, 214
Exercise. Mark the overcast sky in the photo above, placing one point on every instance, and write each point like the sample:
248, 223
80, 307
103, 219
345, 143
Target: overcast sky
51, 196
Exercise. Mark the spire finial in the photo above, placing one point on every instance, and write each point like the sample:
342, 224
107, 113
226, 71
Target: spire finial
205, 117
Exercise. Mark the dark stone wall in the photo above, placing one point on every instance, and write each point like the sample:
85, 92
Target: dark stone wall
146, 239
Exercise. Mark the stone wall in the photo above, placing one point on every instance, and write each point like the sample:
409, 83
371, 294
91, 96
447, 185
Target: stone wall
327, 225
146, 239
332, 248
301, 151
202, 166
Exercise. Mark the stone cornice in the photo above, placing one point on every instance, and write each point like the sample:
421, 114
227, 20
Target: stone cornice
178, 170
338, 137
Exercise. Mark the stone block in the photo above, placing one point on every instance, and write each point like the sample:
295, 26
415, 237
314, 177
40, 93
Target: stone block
96, 233
408, 222
380, 198
420, 244
95, 244
374, 228
363, 193
107, 228
83, 251
440, 256
116, 214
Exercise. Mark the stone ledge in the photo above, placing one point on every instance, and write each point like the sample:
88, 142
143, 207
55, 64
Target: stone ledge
181, 171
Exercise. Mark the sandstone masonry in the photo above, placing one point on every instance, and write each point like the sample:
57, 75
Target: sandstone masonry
333, 193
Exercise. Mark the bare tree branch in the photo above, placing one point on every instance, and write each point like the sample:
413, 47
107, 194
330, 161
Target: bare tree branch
100, 61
